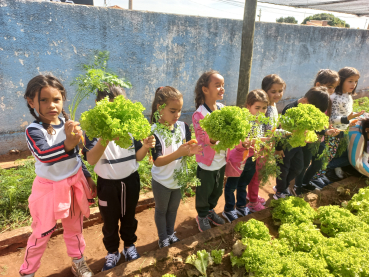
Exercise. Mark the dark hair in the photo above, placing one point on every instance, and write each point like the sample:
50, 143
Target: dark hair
256, 95
319, 97
203, 81
162, 95
270, 80
112, 91
364, 126
35, 86
345, 73
326, 77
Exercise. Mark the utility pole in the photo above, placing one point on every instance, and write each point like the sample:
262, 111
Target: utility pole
259, 15
247, 45
130, 4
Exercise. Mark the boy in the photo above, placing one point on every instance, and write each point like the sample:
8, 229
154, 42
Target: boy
293, 159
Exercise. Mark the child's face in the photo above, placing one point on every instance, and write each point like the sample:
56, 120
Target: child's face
257, 107
275, 93
171, 112
215, 90
331, 87
50, 105
350, 84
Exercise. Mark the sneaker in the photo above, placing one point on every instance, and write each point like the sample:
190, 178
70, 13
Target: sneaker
331, 175
28, 275
215, 219
279, 195
111, 260
309, 187
325, 180
80, 268
173, 238
287, 190
130, 253
243, 211
260, 199
317, 183
255, 207
230, 216
339, 172
164, 243
203, 223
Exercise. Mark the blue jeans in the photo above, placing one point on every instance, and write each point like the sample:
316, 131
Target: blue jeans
340, 161
239, 183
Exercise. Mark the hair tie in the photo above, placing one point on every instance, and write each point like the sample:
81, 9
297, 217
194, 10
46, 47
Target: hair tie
40, 123
160, 87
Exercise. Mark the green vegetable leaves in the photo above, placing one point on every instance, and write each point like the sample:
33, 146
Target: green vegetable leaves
118, 119
217, 256
253, 229
201, 261
302, 122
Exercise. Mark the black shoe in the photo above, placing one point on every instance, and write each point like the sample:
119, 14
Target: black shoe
317, 183
215, 219
331, 175
230, 216
325, 180
308, 187
203, 223
164, 243
130, 253
173, 238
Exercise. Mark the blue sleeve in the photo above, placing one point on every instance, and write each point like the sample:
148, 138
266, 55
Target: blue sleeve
157, 151
188, 132
89, 144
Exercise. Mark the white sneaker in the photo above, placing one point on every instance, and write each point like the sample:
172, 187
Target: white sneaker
339, 172
80, 268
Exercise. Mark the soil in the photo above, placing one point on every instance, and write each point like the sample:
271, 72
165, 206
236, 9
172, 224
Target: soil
7, 160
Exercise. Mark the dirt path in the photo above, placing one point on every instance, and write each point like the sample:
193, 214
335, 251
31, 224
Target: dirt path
55, 261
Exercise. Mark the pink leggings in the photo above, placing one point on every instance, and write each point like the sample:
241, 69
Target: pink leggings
41, 234
253, 186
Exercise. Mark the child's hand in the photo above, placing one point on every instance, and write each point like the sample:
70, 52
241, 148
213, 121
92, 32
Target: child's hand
213, 142
353, 122
149, 142
195, 149
73, 134
92, 186
280, 153
332, 132
246, 143
353, 115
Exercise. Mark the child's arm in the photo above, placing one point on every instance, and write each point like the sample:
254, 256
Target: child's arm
96, 151
148, 143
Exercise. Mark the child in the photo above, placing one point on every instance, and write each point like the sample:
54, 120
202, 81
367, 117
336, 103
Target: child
274, 86
118, 188
211, 165
329, 79
293, 159
60, 189
167, 158
256, 102
342, 103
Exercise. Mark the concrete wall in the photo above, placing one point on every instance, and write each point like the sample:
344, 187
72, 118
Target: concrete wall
152, 50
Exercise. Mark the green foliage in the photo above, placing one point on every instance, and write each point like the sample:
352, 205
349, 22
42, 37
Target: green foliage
301, 237
334, 220
118, 119
217, 256
144, 171
360, 201
302, 121
253, 229
96, 77
169, 275
361, 104
15, 188
201, 261
292, 210
186, 175
333, 21
228, 126
287, 19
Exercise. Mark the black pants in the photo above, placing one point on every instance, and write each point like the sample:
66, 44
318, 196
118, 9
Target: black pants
117, 202
293, 163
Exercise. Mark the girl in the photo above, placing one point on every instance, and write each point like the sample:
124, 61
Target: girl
341, 114
167, 159
256, 102
118, 188
60, 189
211, 165
329, 79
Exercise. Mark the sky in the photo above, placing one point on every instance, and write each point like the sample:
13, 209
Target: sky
224, 9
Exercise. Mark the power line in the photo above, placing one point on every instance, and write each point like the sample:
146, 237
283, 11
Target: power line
212, 7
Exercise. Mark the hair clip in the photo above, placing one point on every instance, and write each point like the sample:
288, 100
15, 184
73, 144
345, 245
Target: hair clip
40, 123
160, 87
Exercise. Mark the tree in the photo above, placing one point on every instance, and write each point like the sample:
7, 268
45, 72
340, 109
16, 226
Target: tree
288, 19
333, 21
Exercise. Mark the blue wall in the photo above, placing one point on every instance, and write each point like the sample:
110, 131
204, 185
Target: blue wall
154, 49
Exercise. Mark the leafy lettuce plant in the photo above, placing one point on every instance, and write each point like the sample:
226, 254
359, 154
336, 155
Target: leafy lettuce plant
360, 201
302, 121
201, 261
217, 256
292, 210
253, 229
118, 120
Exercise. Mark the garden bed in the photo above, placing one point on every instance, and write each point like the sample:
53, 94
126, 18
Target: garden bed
172, 260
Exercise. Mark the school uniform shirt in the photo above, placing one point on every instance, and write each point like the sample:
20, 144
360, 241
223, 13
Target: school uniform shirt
164, 174
272, 114
115, 163
219, 158
52, 161
342, 106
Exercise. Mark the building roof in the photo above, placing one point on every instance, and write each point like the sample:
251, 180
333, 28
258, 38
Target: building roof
356, 7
